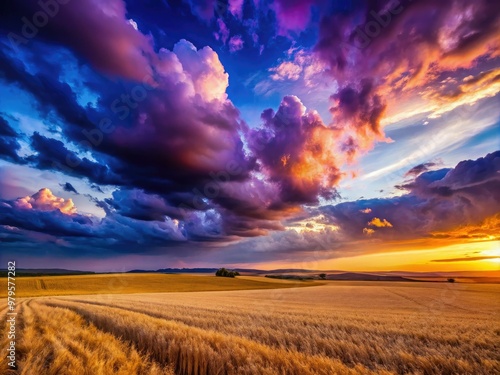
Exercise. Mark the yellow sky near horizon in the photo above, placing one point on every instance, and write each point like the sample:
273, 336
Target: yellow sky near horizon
457, 257
471, 256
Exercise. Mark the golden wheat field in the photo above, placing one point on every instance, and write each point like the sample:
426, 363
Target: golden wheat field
138, 283
334, 328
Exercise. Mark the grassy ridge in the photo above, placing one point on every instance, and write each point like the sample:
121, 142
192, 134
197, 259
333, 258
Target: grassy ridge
135, 283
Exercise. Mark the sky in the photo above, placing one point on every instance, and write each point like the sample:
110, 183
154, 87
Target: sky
352, 134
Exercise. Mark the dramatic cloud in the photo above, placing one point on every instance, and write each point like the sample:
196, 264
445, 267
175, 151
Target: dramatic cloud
451, 94
414, 49
358, 112
489, 228
463, 199
81, 25
297, 152
384, 54
52, 154
138, 205
52, 216
181, 132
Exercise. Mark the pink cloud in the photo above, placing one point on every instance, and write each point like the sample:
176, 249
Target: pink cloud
236, 8
292, 15
235, 43
223, 33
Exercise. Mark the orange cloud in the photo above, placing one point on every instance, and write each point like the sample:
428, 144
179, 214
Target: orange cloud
451, 94
465, 259
376, 222
487, 230
366, 210
44, 200
368, 231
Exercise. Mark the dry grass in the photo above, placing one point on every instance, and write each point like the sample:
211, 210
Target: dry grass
137, 283
338, 328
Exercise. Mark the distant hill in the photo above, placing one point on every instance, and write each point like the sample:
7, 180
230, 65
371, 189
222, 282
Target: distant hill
248, 271
364, 277
295, 273
197, 270
177, 270
46, 272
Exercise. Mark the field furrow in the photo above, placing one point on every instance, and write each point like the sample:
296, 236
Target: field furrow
58, 341
196, 351
5, 369
397, 340
337, 328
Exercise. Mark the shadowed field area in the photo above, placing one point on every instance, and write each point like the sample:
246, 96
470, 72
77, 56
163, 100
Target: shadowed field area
137, 283
336, 328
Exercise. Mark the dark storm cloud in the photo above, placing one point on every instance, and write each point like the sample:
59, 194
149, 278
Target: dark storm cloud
176, 137
420, 168
50, 93
52, 154
165, 142
98, 32
69, 188
404, 34
53, 222
96, 188
9, 146
5, 129
138, 205
435, 201
165, 136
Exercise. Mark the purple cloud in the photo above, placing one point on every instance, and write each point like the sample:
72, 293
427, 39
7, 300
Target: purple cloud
235, 43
